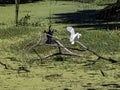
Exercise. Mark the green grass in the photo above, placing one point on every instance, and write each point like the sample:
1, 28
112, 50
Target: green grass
105, 1
53, 74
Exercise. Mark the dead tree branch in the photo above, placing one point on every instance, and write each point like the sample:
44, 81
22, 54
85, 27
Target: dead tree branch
37, 54
99, 56
70, 53
58, 45
64, 54
87, 49
103, 74
18, 69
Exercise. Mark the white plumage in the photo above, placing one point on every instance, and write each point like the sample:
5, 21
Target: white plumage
73, 35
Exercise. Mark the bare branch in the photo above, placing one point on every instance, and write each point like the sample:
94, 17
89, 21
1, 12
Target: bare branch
38, 54
70, 52
18, 69
99, 56
6, 67
65, 54
103, 74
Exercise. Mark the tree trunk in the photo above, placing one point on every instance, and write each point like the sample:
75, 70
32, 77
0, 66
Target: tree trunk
118, 2
16, 11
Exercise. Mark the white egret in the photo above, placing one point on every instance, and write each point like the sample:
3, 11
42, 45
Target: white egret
73, 35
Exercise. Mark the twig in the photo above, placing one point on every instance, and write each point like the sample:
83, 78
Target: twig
38, 54
53, 75
35, 45
6, 67
92, 62
82, 50
103, 74
111, 84
18, 69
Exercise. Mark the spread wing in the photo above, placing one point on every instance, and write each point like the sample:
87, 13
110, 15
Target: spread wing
73, 36
71, 30
78, 35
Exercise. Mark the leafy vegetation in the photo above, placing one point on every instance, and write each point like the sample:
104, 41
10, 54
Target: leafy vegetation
67, 73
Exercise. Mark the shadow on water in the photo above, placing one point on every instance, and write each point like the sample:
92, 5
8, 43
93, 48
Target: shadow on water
86, 19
